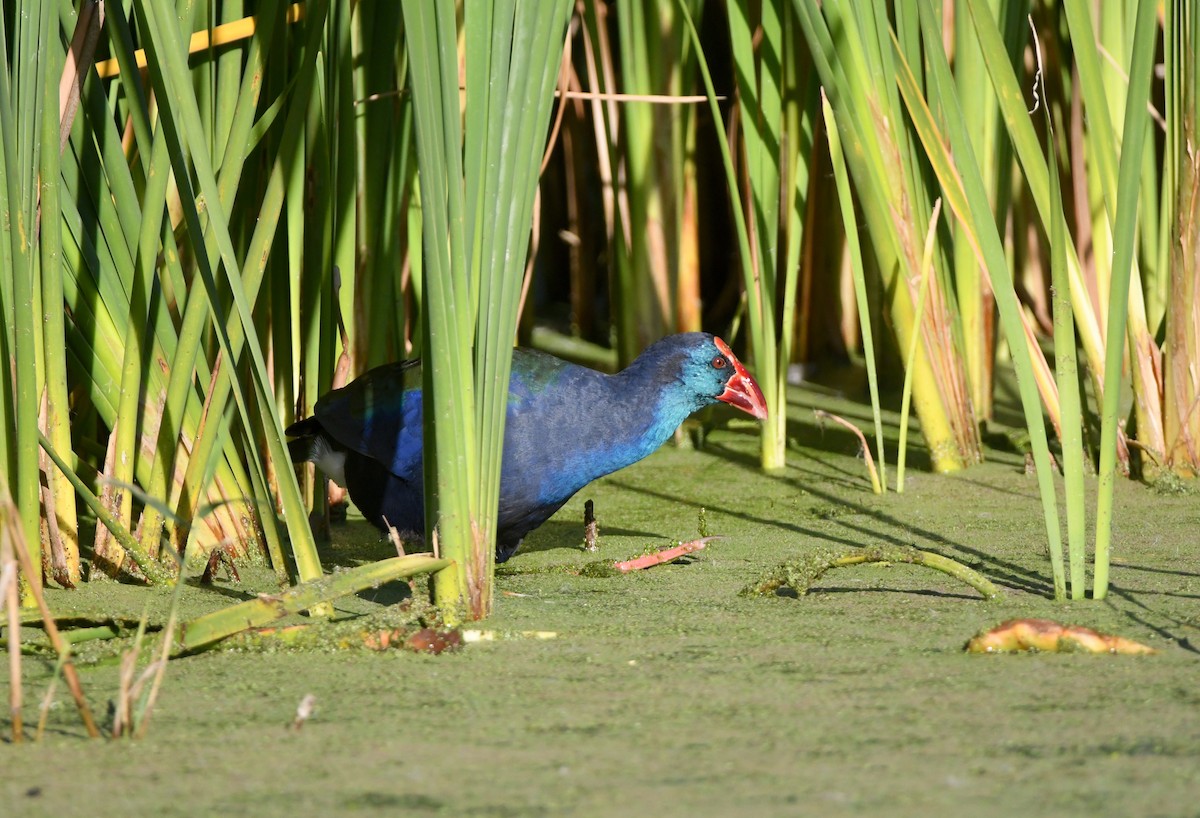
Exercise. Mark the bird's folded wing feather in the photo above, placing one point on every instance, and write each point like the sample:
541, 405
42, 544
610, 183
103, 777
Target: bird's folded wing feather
379, 415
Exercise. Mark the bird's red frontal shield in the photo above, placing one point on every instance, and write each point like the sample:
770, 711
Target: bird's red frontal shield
741, 390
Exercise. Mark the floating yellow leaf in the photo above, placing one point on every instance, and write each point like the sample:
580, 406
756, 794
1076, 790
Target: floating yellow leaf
1051, 637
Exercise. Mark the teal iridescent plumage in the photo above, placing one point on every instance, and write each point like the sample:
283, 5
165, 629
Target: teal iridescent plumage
566, 426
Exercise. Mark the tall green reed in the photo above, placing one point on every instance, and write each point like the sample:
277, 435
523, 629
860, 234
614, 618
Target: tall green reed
478, 172
23, 84
858, 70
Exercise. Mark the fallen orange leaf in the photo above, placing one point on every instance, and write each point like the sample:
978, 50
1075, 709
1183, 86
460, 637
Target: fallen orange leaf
1051, 637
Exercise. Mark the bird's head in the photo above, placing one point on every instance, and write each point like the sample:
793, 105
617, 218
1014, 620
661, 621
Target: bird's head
707, 371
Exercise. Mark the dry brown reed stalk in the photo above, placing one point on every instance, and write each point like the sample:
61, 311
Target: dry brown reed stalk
14, 542
12, 601
136, 719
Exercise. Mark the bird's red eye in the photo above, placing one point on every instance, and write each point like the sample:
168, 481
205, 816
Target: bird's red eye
719, 362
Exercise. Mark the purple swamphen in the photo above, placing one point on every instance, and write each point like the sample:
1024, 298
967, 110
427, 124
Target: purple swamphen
566, 426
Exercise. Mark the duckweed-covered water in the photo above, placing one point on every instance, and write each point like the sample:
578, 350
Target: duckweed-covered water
668, 693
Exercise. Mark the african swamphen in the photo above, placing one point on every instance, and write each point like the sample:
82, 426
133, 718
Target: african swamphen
566, 426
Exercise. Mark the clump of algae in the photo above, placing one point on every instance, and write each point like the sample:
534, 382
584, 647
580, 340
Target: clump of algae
801, 572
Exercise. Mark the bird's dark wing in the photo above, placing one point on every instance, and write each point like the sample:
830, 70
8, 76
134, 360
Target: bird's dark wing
559, 414
379, 415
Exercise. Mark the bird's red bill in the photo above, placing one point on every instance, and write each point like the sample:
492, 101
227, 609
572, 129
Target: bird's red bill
741, 390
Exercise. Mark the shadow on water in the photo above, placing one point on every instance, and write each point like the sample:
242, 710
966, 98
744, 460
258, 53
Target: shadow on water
1125, 566
567, 534
359, 543
888, 528
1166, 626
835, 589
390, 593
220, 588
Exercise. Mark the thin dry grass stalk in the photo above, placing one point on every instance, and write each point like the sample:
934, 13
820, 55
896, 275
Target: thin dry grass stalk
47, 700
127, 721
862, 439
132, 715
12, 600
14, 542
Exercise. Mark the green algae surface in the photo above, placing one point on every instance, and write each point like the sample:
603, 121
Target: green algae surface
666, 692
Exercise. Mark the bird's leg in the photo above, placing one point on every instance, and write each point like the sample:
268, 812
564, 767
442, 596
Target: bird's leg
321, 517
591, 529
337, 502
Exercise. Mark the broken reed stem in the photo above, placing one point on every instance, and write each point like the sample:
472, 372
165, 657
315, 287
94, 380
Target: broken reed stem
862, 439
591, 529
664, 556
15, 538
799, 574
604, 569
